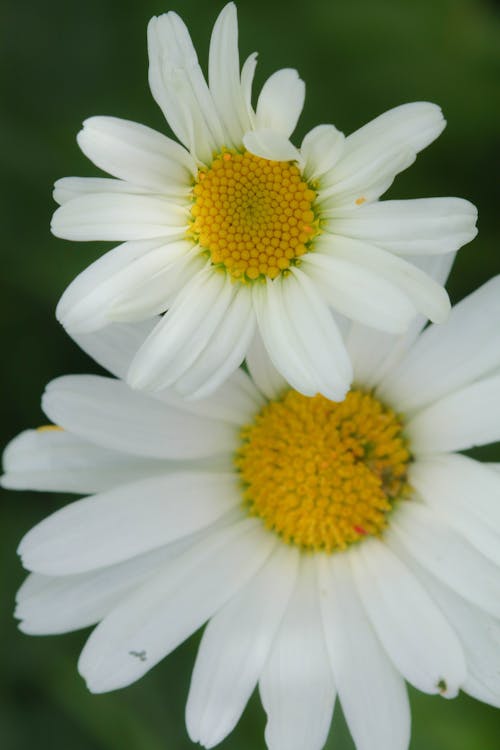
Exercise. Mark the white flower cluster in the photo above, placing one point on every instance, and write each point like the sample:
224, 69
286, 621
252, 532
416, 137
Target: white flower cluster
314, 507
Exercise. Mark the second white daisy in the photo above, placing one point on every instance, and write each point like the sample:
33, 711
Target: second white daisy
238, 229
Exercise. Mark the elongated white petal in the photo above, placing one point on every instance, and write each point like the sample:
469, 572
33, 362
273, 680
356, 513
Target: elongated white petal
113, 346
465, 418
59, 604
448, 357
108, 413
280, 102
416, 531
247, 75
372, 693
234, 649
301, 336
320, 150
127, 521
179, 87
425, 225
117, 216
427, 296
184, 331
224, 351
138, 154
296, 685
167, 609
419, 640
480, 637
270, 144
57, 461
466, 494
68, 188
224, 75
360, 293
264, 374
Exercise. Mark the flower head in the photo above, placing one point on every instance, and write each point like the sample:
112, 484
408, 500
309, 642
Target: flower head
330, 545
237, 234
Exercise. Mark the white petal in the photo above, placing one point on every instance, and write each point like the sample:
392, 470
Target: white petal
280, 102
57, 461
466, 494
296, 686
234, 649
320, 150
427, 296
114, 346
301, 336
418, 639
68, 188
179, 87
262, 371
184, 331
480, 636
224, 75
425, 225
247, 75
359, 293
127, 521
449, 356
116, 216
60, 604
171, 606
270, 144
468, 417
108, 413
416, 531
129, 273
138, 154
372, 693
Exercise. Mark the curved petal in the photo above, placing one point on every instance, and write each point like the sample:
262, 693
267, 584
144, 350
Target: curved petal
372, 693
262, 371
270, 144
418, 639
184, 332
320, 150
224, 75
426, 295
466, 494
127, 521
68, 188
118, 216
280, 102
179, 87
416, 531
247, 75
452, 355
234, 649
57, 461
296, 685
425, 225
169, 607
301, 336
465, 418
108, 413
138, 154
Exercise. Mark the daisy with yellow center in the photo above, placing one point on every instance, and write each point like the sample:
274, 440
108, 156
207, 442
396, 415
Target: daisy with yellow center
242, 238
328, 544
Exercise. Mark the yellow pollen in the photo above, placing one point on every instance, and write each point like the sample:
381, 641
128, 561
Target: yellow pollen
49, 428
322, 474
360, 201
253, 216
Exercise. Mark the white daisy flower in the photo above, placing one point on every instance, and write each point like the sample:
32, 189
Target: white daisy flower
333, 548
237, 230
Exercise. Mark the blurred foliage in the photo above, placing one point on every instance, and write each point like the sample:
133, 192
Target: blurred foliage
64, 60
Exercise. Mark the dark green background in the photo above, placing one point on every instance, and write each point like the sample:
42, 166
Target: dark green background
64, 60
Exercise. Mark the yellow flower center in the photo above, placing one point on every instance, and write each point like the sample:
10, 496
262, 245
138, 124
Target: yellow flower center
254, 217
323, 474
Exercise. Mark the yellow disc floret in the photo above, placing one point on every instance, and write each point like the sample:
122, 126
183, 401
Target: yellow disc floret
323, 474
253, 216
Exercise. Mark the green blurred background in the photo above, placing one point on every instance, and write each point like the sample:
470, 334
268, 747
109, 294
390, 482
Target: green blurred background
64, 60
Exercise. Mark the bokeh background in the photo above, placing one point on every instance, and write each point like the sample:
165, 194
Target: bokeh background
64, 60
